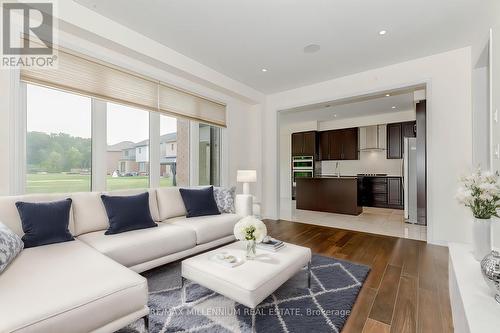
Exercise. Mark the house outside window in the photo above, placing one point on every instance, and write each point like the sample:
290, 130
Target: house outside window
128, 130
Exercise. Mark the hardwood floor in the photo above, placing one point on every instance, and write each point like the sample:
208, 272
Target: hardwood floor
407, 288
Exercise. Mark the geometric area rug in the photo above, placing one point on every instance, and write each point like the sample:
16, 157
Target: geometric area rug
335, 285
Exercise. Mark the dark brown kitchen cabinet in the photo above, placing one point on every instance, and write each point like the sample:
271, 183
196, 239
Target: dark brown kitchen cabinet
324, 145
350, 144
338, 144
409, 129
394, 141
382, 192
394, 192
335, 145
304, 144
297, 143
309, 148
395, 137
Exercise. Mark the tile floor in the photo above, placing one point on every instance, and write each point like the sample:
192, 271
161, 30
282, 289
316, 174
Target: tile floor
380, 221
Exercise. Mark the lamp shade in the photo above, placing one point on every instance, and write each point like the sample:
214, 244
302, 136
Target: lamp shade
246, 176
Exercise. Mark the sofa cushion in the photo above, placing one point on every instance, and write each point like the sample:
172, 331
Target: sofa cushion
10, 216
208, 228
10, 246
139, 246
225, 199
45, 222
199, 201
153, 205
51, 288
90, 214
127, 213
170, 203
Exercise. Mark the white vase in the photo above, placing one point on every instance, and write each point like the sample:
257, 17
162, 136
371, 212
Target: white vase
481, 238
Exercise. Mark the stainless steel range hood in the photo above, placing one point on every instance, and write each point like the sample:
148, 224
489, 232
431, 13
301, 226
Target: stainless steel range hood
370, 138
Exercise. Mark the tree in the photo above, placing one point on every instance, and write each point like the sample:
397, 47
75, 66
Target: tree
53, 163
57, 152
73, 159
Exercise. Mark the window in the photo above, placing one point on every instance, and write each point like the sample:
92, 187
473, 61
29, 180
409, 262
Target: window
128, 147
59, 146
58, 141
174, 163
209, 155
59, 129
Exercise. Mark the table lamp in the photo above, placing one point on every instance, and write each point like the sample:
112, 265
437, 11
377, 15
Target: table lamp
246, 177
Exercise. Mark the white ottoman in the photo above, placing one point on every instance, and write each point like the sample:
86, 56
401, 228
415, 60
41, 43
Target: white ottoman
251, 282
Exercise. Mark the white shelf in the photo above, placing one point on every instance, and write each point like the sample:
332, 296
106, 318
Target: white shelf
473, 305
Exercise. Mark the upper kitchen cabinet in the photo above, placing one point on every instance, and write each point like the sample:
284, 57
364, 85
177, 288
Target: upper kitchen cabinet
339, 144
304, 144
324, 145
395, 137
409, 129
394, 141
350, 144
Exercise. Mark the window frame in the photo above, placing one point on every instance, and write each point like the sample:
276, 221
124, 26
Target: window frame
99, 143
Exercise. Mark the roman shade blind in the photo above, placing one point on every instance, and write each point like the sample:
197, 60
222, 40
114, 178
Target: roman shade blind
178, 102
91, 77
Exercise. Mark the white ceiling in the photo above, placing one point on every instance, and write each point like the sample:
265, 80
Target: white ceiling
365, 107
238, 38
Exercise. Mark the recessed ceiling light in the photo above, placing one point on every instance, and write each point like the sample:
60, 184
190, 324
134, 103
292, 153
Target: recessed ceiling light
334, 116
382, 32
387, 95
264, 69
312, 48
393, 107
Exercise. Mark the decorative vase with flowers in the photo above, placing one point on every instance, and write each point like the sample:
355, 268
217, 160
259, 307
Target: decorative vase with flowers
252, 231
480, 191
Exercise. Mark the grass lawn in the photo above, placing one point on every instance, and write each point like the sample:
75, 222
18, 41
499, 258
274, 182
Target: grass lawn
59, 182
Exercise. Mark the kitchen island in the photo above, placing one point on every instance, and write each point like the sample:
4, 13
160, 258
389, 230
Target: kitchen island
329, 194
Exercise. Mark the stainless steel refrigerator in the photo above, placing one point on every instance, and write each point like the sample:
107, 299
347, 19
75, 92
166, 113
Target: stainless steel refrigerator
410, 179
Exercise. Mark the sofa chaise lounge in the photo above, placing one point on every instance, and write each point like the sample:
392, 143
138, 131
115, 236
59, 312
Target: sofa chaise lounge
92, 284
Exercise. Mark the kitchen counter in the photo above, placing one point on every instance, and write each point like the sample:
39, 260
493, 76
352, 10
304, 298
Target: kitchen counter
329, 194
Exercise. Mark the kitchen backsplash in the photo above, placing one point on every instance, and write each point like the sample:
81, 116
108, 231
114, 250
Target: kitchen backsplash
369, 162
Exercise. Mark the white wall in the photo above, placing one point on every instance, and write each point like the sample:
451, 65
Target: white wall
245, 141
481, 116
101, 38
384, 118
449, 130
369, 162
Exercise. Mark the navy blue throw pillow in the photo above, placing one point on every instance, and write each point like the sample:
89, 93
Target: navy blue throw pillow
127, 213
45, 222
199, 201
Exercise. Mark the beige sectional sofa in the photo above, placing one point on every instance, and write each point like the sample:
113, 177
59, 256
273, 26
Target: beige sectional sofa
91, 284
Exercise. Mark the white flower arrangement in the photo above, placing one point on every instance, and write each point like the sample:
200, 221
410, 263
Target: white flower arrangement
250, 228
480, 191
